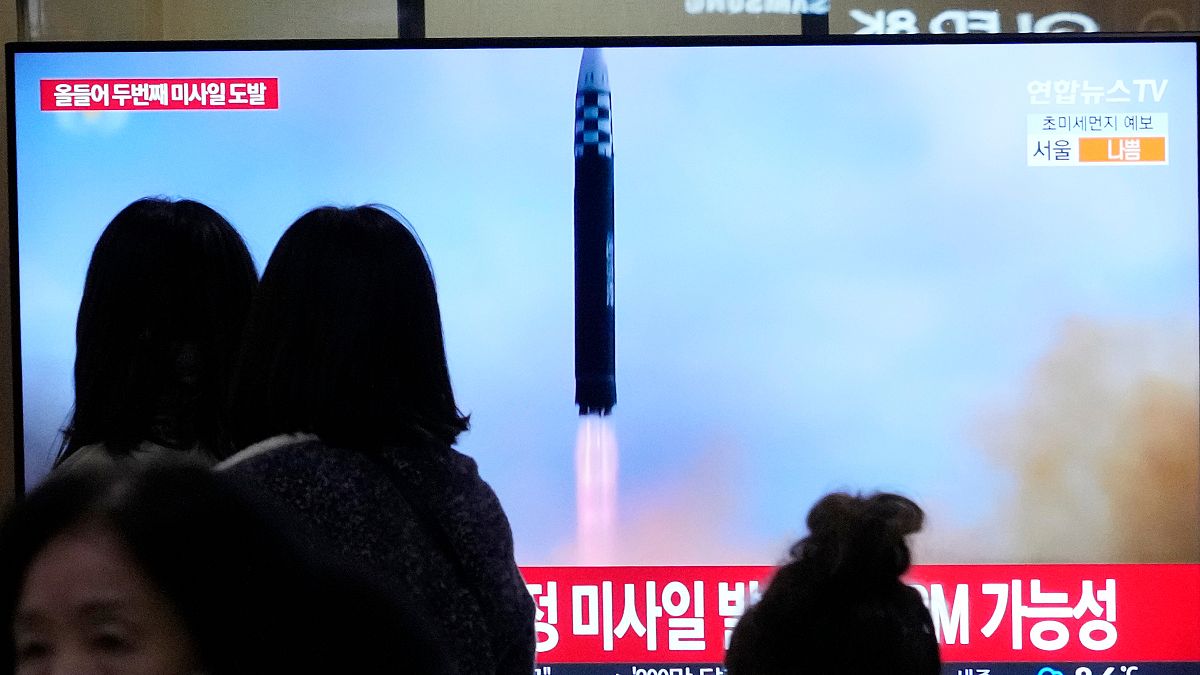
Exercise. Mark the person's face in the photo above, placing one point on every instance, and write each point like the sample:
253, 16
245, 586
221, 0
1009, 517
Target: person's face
86, 607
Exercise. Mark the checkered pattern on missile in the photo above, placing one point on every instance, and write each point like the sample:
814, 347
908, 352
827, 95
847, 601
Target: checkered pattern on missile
593, 123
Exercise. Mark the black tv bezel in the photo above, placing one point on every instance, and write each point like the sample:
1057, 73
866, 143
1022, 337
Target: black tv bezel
11, 49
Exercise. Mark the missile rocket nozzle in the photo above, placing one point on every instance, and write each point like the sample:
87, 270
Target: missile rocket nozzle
595, 395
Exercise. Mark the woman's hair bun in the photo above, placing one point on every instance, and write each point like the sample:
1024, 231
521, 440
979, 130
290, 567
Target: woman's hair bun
860, 537
900, 514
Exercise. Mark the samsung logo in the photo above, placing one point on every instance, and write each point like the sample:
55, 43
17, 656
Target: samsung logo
756, 6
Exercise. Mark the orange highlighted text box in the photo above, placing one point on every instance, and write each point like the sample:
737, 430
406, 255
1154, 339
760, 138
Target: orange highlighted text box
1128, 149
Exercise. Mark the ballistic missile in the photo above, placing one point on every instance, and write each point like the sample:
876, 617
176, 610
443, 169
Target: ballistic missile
595, 299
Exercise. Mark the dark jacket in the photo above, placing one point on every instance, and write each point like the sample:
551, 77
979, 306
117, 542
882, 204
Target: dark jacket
809, 625
422, 524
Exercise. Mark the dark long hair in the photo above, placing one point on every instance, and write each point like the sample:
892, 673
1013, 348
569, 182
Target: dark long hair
164, 303
252, 599
838, 603
345, 338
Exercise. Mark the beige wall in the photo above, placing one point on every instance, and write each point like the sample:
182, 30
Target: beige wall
233, 19
84, 20
490, 18
445, 18
216, 19
209, 19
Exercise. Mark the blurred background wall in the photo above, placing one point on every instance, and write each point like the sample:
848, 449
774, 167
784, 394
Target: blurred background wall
696, 17
212, 19
231, 19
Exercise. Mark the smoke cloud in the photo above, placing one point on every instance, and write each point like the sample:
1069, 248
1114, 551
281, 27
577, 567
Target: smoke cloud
1105, 448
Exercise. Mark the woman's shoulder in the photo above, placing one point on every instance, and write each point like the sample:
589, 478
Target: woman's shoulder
445, 473
98, 455
459, 463
299, 466
87, 458
273, 450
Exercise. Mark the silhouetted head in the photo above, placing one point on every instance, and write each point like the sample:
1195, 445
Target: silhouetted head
859, 540
838, 604
164, 303
345, 338
172, 564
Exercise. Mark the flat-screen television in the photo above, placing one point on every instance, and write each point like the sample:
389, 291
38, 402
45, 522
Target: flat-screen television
690, 286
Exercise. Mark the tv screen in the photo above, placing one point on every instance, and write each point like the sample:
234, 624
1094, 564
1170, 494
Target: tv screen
690, 287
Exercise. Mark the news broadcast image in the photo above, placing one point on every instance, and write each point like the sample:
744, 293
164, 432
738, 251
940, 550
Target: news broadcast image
966, 273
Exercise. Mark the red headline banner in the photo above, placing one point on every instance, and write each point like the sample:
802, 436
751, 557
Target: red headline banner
982, 613
203, 93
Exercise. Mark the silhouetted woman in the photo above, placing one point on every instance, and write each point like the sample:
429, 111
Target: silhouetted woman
344, 391
838, 605
164, 304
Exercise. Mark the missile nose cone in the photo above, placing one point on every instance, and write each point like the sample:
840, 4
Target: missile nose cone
593, 72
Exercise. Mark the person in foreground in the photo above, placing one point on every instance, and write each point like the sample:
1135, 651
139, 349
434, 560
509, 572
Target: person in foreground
838, 604
344, 393
164, 302
165, 568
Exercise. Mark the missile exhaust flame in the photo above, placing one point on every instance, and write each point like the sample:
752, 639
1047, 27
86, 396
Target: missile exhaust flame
595, 490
